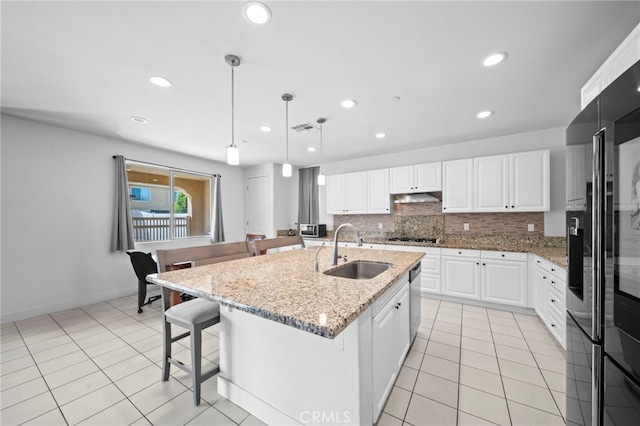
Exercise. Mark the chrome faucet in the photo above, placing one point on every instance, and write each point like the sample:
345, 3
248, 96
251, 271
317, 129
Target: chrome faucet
334, 258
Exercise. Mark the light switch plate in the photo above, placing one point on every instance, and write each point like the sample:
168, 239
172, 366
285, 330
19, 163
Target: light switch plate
466, 226
531, 227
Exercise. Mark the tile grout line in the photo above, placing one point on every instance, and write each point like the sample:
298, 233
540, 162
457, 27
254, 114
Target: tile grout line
506, 400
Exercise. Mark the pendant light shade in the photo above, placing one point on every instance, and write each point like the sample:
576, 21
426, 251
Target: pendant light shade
233, 152
321, 177
286, 167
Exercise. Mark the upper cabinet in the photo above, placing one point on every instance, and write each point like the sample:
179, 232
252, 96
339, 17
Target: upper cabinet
457, 186
347, 193
529, 180
416, 178
359, 193
627, 54
500, 183
378, 198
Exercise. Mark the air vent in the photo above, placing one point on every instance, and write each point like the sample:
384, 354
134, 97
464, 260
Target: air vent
304, 127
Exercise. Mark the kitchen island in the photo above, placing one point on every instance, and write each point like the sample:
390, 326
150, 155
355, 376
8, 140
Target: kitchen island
297, 346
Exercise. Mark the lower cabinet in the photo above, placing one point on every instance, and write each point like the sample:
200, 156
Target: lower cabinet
503, 278
461, 273
550, 283
390, 330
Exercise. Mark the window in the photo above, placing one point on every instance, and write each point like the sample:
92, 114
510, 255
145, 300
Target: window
167, 203
139, 194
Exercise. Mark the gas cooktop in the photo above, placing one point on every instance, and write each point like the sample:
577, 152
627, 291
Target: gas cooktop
414, 240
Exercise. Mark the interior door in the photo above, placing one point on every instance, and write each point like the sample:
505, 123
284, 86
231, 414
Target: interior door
258, 205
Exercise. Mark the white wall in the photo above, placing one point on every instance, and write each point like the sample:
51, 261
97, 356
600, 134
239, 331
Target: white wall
57, 202
552, 139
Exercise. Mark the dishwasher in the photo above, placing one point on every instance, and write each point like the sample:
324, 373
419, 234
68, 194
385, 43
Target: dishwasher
415, 306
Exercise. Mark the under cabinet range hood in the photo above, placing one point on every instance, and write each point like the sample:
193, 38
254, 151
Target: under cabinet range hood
420, 197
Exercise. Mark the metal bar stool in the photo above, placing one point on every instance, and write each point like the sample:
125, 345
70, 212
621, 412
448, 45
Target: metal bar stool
194, 315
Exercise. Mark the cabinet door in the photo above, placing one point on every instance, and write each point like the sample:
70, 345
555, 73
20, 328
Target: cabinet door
504, 282
336, 194
491, 184
428, 177
457, 186
402, 326
383, 355
529, 172
461, 277
401, 180
356, 192
378, 200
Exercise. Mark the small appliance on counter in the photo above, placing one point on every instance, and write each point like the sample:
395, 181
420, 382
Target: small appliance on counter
313, 230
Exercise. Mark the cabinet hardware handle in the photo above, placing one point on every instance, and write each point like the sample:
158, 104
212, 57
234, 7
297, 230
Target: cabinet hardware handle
553, 270
553, 282
553, 325
553, 300
477, 263
503, 255
459, 252
484, 264
513, 207
544, 278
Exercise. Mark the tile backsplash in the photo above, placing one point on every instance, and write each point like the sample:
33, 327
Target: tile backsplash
426, 220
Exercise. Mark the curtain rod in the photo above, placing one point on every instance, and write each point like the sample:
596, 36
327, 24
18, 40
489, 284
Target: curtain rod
167, 167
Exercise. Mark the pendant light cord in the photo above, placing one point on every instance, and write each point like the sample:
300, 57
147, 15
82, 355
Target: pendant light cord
287, 128
320, 169
233, 137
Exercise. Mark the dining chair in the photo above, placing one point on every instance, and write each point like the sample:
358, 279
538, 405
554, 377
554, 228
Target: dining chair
253, 237
143, 265
260, 247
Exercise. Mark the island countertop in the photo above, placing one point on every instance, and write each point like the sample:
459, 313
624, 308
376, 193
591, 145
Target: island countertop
283, 287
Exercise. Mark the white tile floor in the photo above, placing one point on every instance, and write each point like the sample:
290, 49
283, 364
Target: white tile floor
101, 365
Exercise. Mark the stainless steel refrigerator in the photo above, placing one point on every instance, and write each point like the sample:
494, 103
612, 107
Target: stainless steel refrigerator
603, 253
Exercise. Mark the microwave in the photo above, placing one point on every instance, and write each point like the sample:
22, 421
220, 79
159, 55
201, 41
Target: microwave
313, 230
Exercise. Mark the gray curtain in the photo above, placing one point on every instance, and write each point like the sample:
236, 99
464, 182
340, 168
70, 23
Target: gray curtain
308, 211
217, 229
122, 234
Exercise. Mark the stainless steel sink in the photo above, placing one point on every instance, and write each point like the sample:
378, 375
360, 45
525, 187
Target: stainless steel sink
359, 270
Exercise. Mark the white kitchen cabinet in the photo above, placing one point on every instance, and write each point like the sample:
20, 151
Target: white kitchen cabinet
625, 55
503, 278
430, 275
529, 181
491, 184
378, 196
390, 330
416, 178
457, 186
347, 193
550, 306
461, 273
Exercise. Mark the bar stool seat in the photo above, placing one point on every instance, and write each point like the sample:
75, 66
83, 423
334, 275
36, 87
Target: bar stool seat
194, 315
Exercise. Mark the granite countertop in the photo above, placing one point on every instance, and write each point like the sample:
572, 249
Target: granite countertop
283, 286
552, 249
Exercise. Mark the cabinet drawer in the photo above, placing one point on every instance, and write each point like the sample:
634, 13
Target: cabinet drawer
556, 301
378, 305
461, 253
557, 285
431, 264
551, 268
556, 324
504, 255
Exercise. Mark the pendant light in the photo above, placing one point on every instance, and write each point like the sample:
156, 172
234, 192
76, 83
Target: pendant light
286, 167
321, 177
233, 152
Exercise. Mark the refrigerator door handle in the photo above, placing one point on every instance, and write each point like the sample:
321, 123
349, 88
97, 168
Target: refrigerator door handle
598, 233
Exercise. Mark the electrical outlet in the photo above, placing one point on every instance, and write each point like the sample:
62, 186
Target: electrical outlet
531, 227
380, 225
466, 226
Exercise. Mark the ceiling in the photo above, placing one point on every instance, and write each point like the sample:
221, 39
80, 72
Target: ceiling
86, 66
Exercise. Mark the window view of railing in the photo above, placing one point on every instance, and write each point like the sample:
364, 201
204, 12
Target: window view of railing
163, 199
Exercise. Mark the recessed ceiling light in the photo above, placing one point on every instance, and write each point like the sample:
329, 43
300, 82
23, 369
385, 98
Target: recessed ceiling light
256, 13
494, 59
381, 135
484, 114
160, 81
265, 129
311, 149
348, 103
139, 119
638, 89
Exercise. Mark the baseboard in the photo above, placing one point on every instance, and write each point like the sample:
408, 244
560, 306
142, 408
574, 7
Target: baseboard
7, 317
